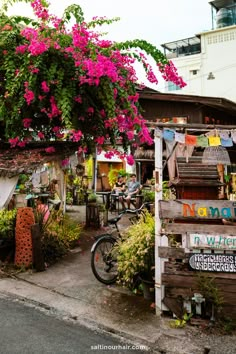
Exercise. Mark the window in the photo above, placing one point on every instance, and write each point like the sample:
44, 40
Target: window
172, 87
194, 72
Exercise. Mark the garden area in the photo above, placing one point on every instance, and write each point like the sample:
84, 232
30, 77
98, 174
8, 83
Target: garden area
35, 238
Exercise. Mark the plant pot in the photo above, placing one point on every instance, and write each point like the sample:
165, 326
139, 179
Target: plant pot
148, 290
7, 249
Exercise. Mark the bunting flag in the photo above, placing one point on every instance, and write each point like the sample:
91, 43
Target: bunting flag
211, 138
180, 138
202, 141
233, 136
191, 140
214, 140
168, 134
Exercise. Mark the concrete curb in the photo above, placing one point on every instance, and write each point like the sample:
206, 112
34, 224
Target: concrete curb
153, 335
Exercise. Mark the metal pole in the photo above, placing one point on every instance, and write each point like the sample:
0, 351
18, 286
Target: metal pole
95, 170
158, 196
191, 126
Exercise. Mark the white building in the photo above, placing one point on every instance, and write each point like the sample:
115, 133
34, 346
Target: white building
207, 62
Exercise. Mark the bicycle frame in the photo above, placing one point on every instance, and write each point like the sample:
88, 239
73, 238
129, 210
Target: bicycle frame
103, 263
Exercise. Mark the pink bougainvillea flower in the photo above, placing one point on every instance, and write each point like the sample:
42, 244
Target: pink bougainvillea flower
45, 87
130, 135
65, 162
84, 85
78, 99
39, 10
40, 97
29, 33
29, 96
14, 141
27, 122
50, 150
33, 69
90, 110
21, 144
41, 135
109, 154
21, 49
100, 140
130, 160
82, 149
60, 135
77, 135
56, 129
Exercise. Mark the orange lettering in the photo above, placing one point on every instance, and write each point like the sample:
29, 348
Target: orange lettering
187, 209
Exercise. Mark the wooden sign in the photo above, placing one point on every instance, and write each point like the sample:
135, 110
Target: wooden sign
197, 209
213, 262
223, 242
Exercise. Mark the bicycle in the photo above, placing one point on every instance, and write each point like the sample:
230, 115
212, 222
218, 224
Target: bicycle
103, 260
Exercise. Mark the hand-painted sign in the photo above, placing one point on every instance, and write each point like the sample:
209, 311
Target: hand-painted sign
200, 209
224, 242
213, 262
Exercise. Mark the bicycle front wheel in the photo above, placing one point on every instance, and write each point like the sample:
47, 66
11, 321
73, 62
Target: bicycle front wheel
103, 260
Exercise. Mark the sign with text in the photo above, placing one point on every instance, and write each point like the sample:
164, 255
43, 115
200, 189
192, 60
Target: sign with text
224, 242
213, 262
197, 209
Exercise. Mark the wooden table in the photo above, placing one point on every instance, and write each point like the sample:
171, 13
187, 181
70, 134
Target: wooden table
106, 198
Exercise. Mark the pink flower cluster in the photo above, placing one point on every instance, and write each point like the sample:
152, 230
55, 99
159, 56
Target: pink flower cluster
40, 10
112, 107
29, 94
17, 142
27, 122
169, 73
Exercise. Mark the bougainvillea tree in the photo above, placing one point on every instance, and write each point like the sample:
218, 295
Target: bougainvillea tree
68, 83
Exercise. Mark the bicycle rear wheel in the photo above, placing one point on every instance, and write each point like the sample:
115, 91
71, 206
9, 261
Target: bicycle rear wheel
103, 260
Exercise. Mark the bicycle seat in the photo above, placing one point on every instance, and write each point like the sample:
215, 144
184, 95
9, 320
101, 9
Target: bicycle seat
115, 220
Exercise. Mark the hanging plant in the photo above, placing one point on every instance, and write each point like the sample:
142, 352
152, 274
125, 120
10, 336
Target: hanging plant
71, 84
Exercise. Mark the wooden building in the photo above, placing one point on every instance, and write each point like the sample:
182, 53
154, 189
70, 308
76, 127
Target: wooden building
192, 109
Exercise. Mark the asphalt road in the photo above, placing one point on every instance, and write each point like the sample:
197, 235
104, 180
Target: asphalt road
27, 330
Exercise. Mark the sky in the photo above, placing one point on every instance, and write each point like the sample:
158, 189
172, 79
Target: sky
155, 21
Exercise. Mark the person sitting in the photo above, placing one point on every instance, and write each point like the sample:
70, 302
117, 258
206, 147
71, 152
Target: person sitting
133, 188
118, 190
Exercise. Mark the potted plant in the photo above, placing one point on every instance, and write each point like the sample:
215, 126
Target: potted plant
135, 253
92, 198
149, 196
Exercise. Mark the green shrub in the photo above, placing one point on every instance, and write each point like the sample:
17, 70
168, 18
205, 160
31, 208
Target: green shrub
60, 233
135, 251
7, 223
148, 196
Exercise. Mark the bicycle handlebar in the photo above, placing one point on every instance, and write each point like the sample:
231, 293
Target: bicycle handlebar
134, 211
131, 211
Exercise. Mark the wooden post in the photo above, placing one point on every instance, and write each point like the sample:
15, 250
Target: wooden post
158, 196
38, 260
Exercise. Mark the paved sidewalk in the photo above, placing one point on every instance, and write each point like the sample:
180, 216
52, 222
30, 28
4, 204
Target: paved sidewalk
70, 288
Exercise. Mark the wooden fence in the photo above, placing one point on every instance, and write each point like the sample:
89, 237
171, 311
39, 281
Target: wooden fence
197, 248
